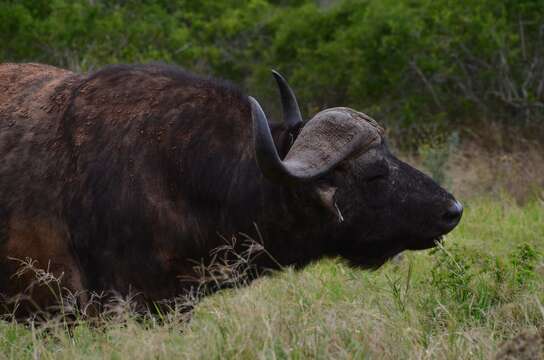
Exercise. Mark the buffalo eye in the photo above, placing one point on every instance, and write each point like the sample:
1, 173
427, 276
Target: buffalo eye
377, 171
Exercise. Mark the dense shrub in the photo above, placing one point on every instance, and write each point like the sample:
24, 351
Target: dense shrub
475, 281
416, 63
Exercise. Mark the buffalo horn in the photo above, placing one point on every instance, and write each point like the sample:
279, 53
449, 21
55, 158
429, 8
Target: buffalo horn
291, 112
328, 138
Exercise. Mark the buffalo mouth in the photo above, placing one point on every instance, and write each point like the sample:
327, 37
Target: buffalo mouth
372, 258
427, 243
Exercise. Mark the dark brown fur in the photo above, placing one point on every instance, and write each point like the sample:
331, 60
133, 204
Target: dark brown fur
123, 180
33, 169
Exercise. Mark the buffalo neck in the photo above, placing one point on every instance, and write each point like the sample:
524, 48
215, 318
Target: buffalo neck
273, 215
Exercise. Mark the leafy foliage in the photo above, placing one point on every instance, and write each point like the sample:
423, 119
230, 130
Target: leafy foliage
410, 62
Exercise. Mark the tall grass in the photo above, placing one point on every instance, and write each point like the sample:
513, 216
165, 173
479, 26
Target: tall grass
458, 301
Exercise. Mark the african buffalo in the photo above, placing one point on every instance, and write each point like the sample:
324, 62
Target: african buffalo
124, 179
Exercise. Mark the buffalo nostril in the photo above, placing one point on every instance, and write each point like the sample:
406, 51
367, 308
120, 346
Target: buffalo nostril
454, 212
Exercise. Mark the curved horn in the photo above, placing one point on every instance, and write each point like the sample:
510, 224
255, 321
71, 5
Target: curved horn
265, 149
328, 138
291, 111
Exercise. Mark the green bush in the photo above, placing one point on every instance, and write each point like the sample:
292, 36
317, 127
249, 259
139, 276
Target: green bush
408, 63
436, 153
469, 282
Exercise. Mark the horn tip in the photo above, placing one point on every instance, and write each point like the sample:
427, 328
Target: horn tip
254, 104
251, 100
277, 74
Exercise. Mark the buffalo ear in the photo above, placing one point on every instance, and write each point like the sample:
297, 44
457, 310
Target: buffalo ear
326, 193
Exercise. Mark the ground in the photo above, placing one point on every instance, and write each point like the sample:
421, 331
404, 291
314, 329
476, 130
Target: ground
463, 300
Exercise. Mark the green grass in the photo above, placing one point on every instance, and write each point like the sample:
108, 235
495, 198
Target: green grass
460, 301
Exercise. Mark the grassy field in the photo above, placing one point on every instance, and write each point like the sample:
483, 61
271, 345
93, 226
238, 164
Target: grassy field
459, 301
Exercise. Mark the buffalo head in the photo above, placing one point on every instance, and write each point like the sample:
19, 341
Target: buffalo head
375, 204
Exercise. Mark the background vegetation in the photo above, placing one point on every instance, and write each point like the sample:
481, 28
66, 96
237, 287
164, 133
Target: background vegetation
410, 63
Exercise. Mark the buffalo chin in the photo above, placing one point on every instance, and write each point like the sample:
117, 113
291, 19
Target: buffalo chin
426, 244
374, 261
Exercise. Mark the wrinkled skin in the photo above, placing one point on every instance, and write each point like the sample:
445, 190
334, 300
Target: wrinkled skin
411, 211
387, 205
123, 180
